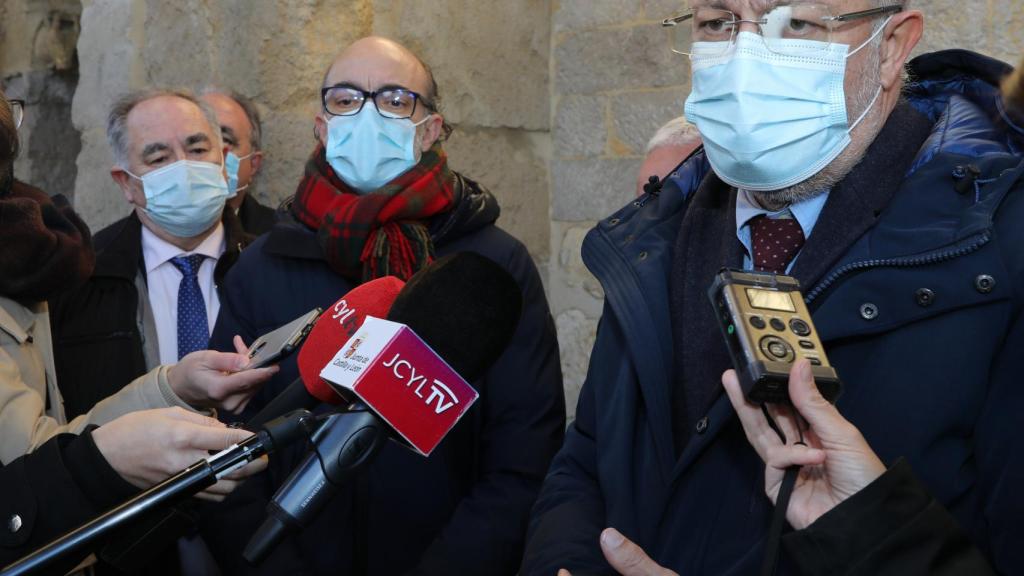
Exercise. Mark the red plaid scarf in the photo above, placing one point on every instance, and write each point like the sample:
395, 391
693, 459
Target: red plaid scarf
382, 233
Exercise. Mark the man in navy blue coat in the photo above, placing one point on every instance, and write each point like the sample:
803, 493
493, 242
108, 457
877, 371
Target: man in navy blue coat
911, 266
378, 199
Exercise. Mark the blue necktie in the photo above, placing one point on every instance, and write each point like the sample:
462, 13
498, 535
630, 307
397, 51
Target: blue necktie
193, 328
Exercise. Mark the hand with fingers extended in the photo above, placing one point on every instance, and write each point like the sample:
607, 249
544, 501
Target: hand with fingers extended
210, 379
149, 446
626, 557
836, 460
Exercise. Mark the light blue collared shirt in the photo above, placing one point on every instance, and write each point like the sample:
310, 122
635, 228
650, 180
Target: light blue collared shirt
806, 214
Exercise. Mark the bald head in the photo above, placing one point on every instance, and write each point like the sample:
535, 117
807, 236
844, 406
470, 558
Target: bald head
374, 62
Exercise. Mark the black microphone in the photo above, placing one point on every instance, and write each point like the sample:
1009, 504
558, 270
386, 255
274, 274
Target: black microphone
466, 308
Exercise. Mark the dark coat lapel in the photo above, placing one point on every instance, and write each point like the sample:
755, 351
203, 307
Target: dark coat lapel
855, 203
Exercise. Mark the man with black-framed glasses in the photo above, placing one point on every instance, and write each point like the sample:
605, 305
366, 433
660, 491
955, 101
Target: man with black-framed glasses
897, 207
378, 198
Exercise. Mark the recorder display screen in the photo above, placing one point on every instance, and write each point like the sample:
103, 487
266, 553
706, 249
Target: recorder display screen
770, 300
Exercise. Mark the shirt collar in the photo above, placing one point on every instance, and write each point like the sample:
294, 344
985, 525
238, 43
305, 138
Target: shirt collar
157, 251
805, 212
16, 319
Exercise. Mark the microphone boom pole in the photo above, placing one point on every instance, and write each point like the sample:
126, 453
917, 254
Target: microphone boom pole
188, 482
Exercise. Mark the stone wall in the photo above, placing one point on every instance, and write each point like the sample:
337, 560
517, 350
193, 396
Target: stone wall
276, 51
38, 65
553, 100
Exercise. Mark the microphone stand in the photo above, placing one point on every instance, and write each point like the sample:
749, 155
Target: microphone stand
190, 481
348, 441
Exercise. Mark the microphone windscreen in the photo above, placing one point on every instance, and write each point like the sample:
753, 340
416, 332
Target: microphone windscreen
336, 325
464, 306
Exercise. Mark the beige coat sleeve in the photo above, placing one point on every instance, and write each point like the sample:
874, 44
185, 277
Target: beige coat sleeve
24, 425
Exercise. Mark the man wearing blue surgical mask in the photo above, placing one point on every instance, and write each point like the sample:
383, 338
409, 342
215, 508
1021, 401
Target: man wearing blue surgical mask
376, 198
242, 130
897, 206
153, 297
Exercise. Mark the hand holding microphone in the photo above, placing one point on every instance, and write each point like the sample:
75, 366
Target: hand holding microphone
149, 446
836, 460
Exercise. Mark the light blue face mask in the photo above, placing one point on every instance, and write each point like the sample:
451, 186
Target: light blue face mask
185, 198
770, 120
231, 164
367, 150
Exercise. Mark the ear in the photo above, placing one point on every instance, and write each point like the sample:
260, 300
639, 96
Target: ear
432, 129
256, 161
124, 182
320, 129
900, 37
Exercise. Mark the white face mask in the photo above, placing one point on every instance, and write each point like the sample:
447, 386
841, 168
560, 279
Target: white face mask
770, 120
185, 198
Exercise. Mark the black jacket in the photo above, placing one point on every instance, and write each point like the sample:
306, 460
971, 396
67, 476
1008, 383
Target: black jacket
61, 485
255, 217
97, 333
461, 511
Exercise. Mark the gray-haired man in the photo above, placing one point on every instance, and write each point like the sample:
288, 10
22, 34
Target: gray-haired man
242, 131
669, 146
152, 298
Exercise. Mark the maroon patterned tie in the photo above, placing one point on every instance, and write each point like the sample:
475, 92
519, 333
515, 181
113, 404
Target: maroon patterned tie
775, 242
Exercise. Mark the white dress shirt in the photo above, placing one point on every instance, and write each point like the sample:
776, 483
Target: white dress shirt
163, 280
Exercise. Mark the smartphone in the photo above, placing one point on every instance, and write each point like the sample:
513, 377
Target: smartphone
767, 327
275, 345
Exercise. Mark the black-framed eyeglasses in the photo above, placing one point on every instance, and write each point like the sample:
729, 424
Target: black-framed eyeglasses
18, 111
711, 31
394, 103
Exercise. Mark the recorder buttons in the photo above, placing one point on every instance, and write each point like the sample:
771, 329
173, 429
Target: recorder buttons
757, 322
776, 348
807, 345
799, 327
778, 325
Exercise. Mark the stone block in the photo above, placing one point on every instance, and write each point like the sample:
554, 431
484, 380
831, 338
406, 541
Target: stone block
591, 189
580, 127
576, 335
582, 14
49, 141
512, 165
573, 285
636, 116
632, 57
658, 10
490, 59
109, 65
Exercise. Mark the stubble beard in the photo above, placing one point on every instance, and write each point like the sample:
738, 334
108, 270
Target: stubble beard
860, 138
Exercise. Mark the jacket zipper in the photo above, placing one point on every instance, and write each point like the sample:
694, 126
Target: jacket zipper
908, 261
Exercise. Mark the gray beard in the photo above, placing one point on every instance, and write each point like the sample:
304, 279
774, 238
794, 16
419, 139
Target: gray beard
838, 169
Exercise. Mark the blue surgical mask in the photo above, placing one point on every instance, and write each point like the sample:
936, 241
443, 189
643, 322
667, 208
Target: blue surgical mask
771, 120
367, 150
231, 163
185, 198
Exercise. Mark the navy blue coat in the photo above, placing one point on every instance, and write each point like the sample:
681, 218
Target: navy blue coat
462, 511
938, 384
